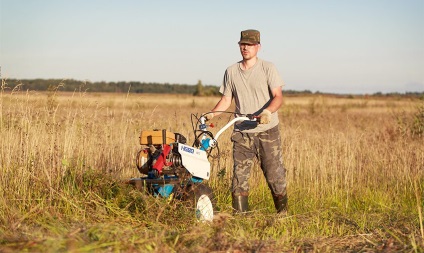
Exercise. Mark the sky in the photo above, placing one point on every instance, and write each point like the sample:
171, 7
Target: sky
337, 46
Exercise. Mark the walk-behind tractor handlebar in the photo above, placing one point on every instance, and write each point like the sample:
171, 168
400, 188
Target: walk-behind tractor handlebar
177, 170
207, 143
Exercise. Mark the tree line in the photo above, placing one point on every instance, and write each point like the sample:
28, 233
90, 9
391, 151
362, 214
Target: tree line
124, 87
72, 85
152, 87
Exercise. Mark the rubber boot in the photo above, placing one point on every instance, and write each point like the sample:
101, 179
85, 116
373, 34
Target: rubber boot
240, 203
280, 202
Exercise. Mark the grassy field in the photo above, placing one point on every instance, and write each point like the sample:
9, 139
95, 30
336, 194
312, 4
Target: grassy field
355, 172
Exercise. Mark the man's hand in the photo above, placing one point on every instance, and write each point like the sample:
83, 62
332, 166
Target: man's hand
209, 115
265, 117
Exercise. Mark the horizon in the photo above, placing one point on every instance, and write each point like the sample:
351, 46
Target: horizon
205, 85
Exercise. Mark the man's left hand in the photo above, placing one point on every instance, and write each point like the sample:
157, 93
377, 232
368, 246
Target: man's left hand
265, 117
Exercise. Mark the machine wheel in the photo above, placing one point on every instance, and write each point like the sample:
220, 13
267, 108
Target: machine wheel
203, 199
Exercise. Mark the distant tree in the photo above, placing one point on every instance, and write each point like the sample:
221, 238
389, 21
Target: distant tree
199, 89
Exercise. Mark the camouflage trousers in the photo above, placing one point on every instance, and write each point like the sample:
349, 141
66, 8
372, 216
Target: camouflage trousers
264, 146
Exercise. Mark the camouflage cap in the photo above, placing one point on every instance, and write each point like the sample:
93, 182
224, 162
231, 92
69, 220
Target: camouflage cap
250, 37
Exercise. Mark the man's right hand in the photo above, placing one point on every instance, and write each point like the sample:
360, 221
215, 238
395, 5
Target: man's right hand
209, 115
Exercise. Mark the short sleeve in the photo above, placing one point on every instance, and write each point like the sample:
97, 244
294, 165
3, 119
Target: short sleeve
274, 78
226, 87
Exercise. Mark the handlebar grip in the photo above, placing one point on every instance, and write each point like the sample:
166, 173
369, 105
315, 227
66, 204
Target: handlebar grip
253, 117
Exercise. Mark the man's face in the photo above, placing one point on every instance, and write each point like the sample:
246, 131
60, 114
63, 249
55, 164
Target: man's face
249, 51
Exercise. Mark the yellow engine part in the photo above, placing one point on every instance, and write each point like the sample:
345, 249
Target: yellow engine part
156, 137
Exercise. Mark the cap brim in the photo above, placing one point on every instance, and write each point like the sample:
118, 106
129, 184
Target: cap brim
248, 42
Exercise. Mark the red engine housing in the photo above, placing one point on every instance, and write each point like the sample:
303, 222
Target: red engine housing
161, 159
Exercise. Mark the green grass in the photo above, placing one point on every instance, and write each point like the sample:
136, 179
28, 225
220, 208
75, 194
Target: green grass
97, 212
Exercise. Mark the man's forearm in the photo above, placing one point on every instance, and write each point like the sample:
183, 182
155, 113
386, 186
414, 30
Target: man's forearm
275, 104
223, 104
276, 101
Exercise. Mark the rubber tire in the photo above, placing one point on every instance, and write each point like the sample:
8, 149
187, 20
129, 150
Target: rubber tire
202, 198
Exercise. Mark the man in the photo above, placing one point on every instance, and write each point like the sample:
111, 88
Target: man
256, 88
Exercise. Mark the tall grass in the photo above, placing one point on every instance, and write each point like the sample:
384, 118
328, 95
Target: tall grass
355, 176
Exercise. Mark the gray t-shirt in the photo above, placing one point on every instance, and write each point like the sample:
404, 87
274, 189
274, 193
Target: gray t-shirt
251, 90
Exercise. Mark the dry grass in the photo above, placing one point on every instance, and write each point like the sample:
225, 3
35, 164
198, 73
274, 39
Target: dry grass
355, 172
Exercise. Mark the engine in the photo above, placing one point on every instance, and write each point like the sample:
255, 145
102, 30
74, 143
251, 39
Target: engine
165, 153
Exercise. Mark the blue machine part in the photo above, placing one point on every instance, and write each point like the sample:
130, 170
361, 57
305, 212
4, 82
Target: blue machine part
202, 126
196, 180
152, 174
205, 144
164, 190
